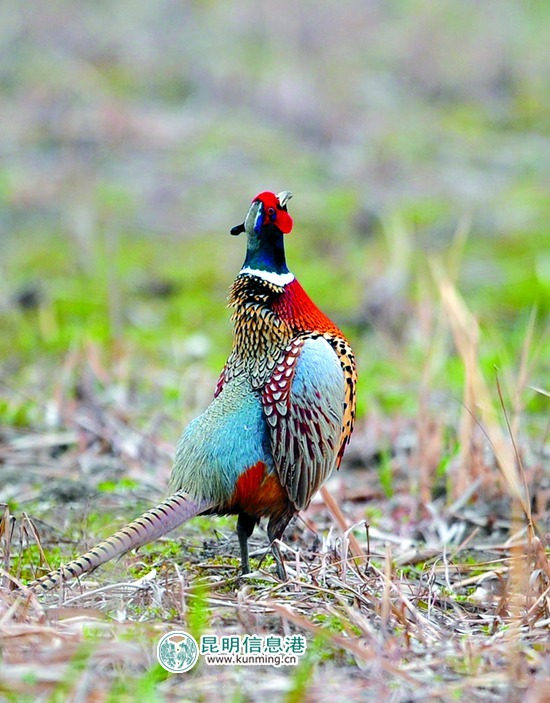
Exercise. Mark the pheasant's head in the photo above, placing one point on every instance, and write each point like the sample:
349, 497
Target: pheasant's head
265, 224
267, 210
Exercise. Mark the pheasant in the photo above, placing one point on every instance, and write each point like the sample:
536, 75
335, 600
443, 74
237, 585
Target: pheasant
281, 417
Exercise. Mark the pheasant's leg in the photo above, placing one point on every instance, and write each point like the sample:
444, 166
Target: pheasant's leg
279, 564
245, 527
275, 532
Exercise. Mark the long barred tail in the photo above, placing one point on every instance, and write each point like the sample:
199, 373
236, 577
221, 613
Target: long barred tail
168, 515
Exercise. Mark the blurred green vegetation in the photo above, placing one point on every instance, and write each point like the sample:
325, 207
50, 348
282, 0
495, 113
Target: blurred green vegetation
134, 137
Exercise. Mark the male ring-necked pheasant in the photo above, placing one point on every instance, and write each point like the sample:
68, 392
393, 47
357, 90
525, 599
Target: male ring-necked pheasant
282, 413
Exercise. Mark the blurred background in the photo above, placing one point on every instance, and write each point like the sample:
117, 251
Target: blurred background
415, 138
134, 135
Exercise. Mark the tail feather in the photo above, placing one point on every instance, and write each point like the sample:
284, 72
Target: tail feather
168, 515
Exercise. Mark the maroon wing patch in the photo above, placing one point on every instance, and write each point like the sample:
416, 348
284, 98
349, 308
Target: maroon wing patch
304, 411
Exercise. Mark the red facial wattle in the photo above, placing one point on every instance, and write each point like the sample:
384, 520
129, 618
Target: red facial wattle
273, 212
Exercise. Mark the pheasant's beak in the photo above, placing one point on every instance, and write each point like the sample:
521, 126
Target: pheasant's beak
283, 197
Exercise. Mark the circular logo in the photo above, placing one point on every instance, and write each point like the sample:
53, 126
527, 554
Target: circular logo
177, 652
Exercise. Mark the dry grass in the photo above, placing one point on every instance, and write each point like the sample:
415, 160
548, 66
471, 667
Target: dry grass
437, 600
410, 619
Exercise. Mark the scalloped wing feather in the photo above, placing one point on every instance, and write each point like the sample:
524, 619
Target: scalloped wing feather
304, 403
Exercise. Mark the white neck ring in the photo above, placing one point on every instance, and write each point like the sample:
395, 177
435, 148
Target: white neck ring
278, 279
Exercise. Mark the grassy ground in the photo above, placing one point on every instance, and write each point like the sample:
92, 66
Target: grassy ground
133, 139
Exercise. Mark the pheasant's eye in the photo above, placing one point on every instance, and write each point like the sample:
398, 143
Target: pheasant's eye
271, 213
